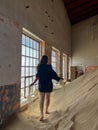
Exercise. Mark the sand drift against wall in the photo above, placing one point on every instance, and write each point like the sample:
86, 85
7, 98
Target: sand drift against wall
73, 107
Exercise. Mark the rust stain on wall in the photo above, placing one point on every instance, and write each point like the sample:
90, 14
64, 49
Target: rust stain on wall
9, 100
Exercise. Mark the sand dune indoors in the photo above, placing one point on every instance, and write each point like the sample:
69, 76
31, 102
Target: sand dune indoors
73, 107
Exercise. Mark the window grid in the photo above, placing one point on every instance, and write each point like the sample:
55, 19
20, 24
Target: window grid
69, 66
64, 66
54, 62
29, 62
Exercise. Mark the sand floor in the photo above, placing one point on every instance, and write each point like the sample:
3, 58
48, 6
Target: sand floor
73, 107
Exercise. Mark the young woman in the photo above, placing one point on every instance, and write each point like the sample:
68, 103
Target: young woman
45, 74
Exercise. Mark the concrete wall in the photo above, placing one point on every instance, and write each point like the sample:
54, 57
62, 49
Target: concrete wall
85, 42
47, 19
10, 46
10, 51
41, 13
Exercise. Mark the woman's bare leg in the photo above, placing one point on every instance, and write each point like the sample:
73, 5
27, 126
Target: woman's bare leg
42, 98
47, 96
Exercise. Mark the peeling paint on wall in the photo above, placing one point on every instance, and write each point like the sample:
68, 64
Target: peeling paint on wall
9, 101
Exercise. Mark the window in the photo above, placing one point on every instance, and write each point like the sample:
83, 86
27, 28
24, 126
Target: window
64, 66
55, 61
29, 61
69, 67
32, 48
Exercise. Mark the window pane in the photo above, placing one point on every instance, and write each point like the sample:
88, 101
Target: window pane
22, 82
37, 54
31, 43
37, 46
53, 53
27, 61
34, 71
54, 59
34, 44
23, 61
27, 71
31, 62
34, 62
31, 71
27, 51
37, 61
54, 64
23, 50
23, 39
22, 92
23, 71
27, 91
27, 41
27, 82
31, 52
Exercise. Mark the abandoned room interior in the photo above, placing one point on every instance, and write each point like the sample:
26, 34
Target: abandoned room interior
67, 32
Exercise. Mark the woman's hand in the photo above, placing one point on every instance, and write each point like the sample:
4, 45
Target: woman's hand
31, 84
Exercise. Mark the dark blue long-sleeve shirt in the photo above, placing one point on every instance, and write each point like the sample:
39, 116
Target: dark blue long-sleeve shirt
45, 74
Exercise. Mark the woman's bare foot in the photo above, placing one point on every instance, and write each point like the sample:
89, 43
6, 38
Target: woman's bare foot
47, 112
41, 118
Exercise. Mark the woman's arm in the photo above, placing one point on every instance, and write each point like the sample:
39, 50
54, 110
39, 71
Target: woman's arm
34, 81
55, 75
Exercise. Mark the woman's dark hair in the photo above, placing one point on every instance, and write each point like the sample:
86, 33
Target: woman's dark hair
44, 59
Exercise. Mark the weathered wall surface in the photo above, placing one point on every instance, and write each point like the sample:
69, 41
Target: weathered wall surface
10, 48
85, 42
9, 101
46, 19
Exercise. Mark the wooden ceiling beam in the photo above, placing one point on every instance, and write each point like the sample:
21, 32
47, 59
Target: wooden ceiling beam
76, 4
82, 7
67, 2
79, 10
75, 20
83, 12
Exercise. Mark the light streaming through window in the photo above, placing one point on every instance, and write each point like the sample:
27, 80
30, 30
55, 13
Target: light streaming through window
29, 62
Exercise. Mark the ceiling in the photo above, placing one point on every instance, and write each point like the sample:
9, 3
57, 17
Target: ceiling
79, 10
